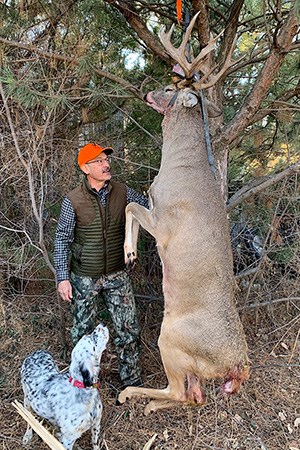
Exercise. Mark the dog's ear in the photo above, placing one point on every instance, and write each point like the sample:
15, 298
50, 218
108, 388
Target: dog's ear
86, 376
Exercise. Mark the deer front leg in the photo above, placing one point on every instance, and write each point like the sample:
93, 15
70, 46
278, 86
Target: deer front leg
136, 215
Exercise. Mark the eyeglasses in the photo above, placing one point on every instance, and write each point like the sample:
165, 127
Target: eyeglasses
100, 161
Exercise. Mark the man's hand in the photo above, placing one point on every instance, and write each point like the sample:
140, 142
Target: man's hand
65, 290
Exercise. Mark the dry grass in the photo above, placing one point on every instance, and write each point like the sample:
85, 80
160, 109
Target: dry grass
263, 416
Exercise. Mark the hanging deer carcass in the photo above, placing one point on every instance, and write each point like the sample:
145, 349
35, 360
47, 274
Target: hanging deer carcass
201, 335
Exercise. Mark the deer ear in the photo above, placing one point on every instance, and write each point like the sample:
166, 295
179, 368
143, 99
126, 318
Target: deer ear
190, 99
212, 109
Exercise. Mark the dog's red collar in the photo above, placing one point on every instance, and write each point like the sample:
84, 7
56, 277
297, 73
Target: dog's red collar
80, 384
76, 383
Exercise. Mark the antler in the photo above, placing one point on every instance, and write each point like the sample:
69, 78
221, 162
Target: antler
199, 64
216, 77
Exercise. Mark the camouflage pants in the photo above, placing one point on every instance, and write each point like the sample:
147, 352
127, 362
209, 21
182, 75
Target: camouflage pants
116, 292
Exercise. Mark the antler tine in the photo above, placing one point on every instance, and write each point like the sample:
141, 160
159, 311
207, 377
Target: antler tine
178, 54
198, 61
228, 63
188, 31
165, 39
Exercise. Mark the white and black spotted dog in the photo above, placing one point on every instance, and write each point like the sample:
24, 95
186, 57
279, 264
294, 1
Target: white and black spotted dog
70, 401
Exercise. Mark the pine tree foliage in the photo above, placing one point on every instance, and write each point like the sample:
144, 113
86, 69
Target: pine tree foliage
77, 71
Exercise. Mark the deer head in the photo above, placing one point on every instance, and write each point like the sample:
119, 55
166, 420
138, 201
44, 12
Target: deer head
200, 64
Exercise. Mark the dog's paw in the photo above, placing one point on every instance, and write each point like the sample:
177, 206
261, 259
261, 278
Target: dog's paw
27, 438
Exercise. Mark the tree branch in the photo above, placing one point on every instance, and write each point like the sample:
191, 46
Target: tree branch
15, 230
249, 190
231, 29
203, 25
269, 302
260, 89
30, 176
73, 61
132, 17
255, 57
274, 105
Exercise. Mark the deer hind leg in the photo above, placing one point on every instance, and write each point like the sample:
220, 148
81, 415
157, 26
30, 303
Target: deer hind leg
178, 366
155, 405
192, 396
136, 215
173, 393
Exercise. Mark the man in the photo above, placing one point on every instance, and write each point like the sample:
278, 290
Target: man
91, 228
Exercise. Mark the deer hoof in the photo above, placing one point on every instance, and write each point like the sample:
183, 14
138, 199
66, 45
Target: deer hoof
123, 396
149, 408
121, 399
130, 260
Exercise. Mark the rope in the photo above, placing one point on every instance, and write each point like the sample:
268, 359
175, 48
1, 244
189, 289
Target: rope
202, 97
179, 10
210, 155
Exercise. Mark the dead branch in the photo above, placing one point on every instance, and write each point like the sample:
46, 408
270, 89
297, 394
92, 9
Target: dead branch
47, 437
249, 190
15, 230
260, 89
36, 210
246, 273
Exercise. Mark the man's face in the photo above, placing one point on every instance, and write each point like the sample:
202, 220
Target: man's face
97, 170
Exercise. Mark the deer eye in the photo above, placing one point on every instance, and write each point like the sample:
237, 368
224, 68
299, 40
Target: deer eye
170, 89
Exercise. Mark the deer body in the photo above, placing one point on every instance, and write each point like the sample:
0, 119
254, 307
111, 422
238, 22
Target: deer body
201, 335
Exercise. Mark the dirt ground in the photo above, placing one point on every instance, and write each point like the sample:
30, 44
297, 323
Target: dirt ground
265, 415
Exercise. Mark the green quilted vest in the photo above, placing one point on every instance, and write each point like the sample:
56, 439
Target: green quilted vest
97, 248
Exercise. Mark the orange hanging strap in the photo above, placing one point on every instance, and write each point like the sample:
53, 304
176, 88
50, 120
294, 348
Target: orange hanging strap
179, 10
